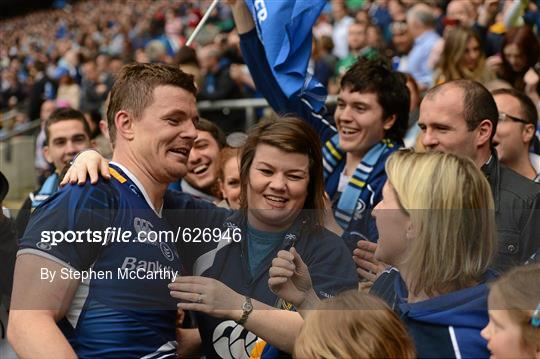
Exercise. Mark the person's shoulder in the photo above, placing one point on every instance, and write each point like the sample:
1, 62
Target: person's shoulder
105, 187
174, 199
99, 195
316, 243
325, 234
184, 209
388, 275
318, 236
384, 285
517, 185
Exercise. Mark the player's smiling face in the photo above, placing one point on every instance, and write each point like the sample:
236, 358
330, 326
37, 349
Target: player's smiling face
165, 133
277, 187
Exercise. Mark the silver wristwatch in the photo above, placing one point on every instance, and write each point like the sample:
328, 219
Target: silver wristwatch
247, 307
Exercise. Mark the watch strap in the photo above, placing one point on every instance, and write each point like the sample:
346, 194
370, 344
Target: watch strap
247, 307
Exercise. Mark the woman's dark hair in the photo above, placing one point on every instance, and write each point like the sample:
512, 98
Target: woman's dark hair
527, 42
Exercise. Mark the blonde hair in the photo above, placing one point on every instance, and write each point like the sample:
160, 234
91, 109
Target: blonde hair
451, 210
353, 325
519, 291
449, 67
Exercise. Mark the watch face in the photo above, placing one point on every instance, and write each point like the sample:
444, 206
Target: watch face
247, 306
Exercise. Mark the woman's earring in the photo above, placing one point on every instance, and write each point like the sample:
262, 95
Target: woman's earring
408, 235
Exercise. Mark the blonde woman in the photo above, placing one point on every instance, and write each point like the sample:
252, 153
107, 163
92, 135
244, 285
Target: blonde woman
353, 325
437, 229
514, 311
462, 58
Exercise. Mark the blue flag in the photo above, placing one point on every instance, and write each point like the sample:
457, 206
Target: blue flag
284, 28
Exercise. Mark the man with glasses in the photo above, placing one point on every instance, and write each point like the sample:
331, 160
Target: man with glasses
515, 132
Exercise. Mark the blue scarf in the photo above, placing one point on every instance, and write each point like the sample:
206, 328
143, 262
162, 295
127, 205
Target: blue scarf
355, 193
49, 188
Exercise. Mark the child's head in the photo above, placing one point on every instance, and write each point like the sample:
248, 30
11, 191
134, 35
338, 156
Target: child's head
513, 301
353, 325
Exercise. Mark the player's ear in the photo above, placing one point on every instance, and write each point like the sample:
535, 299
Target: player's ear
47, 154
123, 122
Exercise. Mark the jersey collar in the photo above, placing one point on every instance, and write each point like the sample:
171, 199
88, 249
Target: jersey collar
140, 187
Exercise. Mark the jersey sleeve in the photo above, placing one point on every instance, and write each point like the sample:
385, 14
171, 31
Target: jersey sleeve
69, 227
266, 83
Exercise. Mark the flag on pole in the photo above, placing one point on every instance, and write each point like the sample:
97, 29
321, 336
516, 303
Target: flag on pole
284, 27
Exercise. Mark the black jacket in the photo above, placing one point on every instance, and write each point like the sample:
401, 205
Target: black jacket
8, 254
517, 213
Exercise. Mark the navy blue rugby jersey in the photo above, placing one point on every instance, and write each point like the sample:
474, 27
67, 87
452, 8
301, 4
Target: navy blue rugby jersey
128, 313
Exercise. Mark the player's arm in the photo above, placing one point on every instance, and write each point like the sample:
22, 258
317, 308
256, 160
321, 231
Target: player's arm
36, 306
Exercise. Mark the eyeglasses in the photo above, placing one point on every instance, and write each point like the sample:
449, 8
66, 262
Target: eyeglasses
505, 117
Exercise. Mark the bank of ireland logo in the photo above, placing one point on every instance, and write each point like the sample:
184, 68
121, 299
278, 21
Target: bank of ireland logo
232, 341
167, 251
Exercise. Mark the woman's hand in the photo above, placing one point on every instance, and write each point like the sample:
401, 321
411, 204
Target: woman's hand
364, 257
88, 162
494, 63
290, 279
208, 296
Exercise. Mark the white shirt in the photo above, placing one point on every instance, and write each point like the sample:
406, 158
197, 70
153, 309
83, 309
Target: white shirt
340, 36
535, 162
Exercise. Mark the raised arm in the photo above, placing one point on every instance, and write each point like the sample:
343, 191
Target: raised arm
36, 305
242, 16
266, 83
